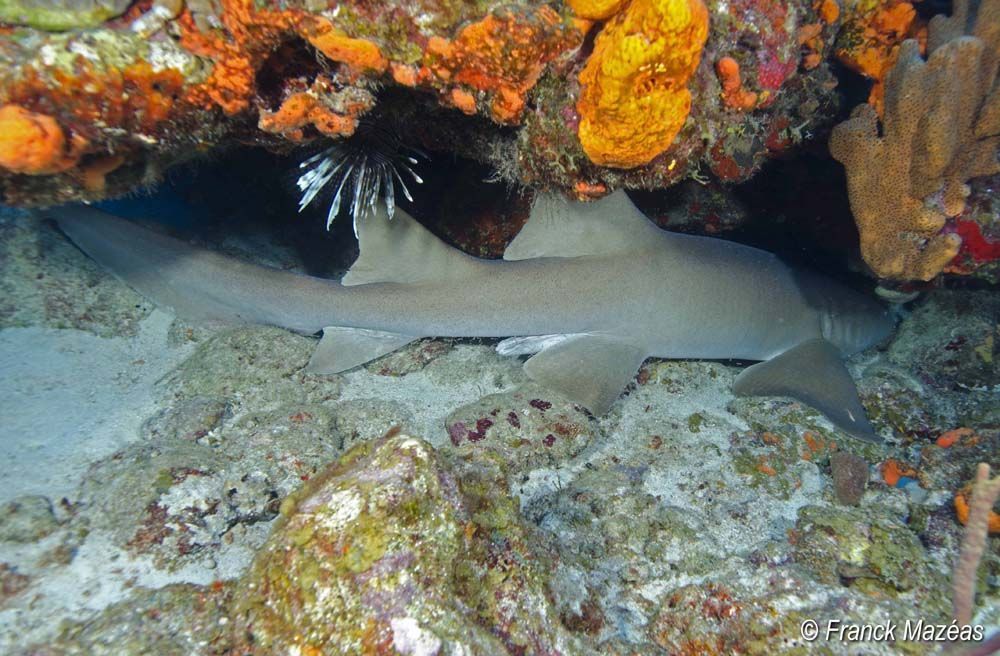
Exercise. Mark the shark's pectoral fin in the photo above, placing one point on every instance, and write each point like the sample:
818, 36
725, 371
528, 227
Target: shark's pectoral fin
814, 373
591, 370
341, 349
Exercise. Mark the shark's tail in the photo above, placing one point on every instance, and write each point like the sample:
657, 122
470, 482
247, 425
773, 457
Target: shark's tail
196, 283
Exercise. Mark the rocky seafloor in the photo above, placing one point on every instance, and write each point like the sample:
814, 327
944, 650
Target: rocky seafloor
180, 489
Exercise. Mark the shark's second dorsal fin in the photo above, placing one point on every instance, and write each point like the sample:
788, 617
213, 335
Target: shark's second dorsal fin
559, 227
401, 250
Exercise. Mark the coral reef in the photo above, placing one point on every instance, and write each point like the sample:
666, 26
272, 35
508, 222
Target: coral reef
850, 476
724, 133
34, 143
980, 519
492, 55
36, 288
498, 424
965, 358
906, 174
27, 519
176, 619
151, 87
869, 39
61, 14
844, 544
979, 228
733, 93
118, 102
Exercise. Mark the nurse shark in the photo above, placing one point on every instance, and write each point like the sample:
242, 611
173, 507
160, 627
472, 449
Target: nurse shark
590, 289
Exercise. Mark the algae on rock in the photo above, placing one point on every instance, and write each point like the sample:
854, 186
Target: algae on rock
387, 548
869, 550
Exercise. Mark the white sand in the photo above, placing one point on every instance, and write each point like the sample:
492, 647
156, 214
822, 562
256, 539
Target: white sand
69, 398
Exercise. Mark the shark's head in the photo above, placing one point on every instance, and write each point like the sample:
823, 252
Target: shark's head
849, 320
853, 322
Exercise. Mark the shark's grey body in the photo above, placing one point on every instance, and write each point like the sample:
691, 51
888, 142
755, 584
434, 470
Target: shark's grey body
595, 287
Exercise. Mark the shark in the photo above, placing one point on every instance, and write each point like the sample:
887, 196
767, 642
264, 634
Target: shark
588, 290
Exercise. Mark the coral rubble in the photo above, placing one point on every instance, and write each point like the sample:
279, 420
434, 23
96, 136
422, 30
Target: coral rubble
907, 173
979, 227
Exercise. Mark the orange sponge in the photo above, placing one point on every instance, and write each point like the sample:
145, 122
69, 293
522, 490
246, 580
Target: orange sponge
34, 143
634, 96
595, 9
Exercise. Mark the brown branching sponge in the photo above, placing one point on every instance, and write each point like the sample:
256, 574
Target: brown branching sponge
941, 127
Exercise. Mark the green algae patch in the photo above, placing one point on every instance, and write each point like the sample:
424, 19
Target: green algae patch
695, 422
385, 548
57, 16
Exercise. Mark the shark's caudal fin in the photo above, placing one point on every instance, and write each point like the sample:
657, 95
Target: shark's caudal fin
169, 272
813, 373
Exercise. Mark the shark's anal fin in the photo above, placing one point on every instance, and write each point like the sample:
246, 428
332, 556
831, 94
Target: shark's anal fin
591, 370
341, 349
814, 373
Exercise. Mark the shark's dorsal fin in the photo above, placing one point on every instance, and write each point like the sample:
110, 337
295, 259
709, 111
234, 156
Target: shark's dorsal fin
401, 250
814, 373
558, 227
591, 370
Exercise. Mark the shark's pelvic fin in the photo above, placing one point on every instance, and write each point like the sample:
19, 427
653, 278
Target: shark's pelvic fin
341, 349
403, 251
561, 228
591, 370
813, 373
